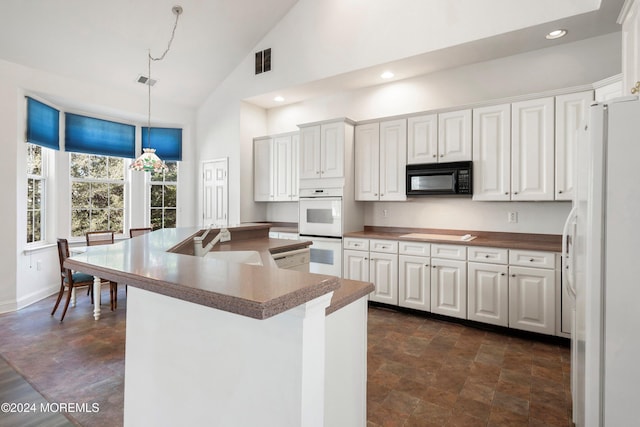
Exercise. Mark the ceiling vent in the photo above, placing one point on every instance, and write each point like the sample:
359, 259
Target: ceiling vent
263, 61
146, 80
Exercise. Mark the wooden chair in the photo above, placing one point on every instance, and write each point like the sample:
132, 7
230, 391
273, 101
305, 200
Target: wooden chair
106, 237
133, 232
69, 279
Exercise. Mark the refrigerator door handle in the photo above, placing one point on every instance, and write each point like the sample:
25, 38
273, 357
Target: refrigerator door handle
567, 264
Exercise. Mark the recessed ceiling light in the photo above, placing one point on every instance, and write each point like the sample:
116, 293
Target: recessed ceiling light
279, 98
556, 34
387, 75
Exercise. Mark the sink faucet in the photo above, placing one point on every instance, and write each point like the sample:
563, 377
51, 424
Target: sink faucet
223, 236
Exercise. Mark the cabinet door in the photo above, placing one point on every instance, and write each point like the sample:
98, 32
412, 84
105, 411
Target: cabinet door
414, 282
630, 46
532, 301
356, 265
532, 150
454, 136
492, 153
422, 142
332, 150
310, 152
262, 170
383, 272
449, 287
393, 160
282, 158
609, 91
295, 166
571, 112
367, 161
488, 293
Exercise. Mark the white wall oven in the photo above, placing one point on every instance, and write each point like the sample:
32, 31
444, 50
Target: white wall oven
320, 221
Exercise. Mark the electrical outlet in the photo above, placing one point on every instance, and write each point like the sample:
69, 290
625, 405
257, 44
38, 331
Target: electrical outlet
512, 216
385, 213
38, 265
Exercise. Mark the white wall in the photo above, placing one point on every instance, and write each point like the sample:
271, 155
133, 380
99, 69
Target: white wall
22, 282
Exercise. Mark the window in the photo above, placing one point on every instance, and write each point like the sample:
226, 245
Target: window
35, 193
97, 193
164, 189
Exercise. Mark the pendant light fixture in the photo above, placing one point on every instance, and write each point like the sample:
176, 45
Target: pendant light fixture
149, 161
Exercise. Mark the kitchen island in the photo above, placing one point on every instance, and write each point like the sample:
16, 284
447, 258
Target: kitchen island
211, 342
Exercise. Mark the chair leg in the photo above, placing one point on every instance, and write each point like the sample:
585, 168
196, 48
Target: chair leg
55, 307
114, 285
66, 304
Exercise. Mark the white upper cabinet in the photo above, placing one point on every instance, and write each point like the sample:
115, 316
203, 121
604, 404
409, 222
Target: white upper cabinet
454, 136
492, 153
367, 161
310, 152
422, 142
380, 160
571, 112
532, 149
263, 170
393, 159
630, 19
332, 150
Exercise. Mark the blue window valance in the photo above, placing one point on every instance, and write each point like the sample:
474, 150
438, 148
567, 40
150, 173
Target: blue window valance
96, 136
43, 124
166, 141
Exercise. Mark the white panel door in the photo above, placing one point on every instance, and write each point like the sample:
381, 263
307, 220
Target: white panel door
282, 161
532, 300
332, 150
449, 287
422, 141
355, 265
532, 149
310, 152
488, 293
215, 200
414, 282
492, 153
383, 272
262, 170
571, 112
367, 161
393, 160
454, 136
295, 166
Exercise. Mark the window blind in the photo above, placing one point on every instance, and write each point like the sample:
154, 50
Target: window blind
96, 136
43, 124
166, 141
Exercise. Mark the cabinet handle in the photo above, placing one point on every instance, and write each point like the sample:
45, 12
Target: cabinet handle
515, 192
375, 194
635, 89
486, 256
506, 193
426, 265
502, 274
435, 266
381, 194
513, 275
559, 191
434, 155
531, 260
441, 155
317, 172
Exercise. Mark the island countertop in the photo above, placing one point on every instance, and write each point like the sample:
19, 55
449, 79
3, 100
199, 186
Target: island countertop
159, 262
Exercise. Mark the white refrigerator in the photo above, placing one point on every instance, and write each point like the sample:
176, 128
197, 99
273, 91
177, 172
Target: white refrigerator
602, 267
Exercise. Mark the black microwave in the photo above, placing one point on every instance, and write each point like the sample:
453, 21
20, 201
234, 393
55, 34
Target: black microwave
436, 179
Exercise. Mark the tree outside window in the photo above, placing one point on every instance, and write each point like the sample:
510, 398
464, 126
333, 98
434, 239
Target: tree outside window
163, 203
35, 193
97, 193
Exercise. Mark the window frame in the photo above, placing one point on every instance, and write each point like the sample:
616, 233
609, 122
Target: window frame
43, 179
151, 183
92, 180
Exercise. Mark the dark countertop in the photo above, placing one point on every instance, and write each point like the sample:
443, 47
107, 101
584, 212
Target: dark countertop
159, 262
537, 242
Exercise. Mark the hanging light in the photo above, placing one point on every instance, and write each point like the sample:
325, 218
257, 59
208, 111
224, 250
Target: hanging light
149, 161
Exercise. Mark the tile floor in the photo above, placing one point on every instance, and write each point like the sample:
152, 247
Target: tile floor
422, 372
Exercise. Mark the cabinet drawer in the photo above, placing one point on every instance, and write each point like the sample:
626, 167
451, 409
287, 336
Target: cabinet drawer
490, 255
414, 248
532, 258
385, 246
355, 244
449, 251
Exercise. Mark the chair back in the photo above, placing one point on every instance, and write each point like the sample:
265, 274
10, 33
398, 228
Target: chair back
63, 254
95, 238
133, 232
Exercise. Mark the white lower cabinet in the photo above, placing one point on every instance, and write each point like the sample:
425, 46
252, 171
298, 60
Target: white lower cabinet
488, 293
414, 282
383, 272
532, 301
356, 265
449, 287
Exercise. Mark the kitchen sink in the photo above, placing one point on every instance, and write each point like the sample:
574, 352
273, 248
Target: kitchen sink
241, 257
